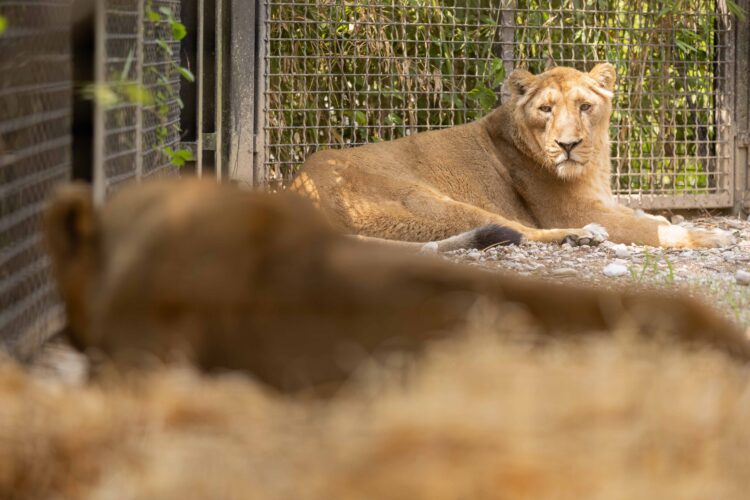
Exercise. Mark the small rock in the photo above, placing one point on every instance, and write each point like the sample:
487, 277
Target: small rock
614, 270
608, 244
564, 271
678, 219
474, 254
742, 277
621, 251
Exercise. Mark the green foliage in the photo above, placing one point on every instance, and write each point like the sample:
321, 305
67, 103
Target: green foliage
3, 24
654, 268
345, 73
160, 94
179, 157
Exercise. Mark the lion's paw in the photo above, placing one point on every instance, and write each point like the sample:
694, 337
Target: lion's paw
671, 235
710, 239
589, 235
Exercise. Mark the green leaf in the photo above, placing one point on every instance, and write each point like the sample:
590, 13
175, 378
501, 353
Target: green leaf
393, 119
161, 43
128, 64
101, 94
733, 7
185, 154
167, 12
153, 16
179, 31
3, 24
361, 118
138, 94
484, 95
186, 74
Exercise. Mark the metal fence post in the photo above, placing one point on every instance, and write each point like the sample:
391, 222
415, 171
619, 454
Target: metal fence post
100, 76
741, 43
241, 95
260, 169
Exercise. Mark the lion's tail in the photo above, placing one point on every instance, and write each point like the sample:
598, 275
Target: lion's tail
479, 238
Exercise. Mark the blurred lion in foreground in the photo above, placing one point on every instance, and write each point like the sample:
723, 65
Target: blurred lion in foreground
237, 280
522, 389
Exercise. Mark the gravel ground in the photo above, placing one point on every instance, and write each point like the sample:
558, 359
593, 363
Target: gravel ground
720, 275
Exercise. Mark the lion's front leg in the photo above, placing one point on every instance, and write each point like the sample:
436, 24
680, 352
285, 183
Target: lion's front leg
630, 226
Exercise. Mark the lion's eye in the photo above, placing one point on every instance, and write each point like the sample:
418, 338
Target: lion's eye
545, 109
585, 106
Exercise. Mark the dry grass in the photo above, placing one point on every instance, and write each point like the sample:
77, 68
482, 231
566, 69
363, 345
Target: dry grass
476, 418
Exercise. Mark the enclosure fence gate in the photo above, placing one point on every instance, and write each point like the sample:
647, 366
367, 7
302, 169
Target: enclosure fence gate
337, 74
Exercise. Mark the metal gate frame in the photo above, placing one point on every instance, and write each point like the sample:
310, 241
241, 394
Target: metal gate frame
227, 142
741, 113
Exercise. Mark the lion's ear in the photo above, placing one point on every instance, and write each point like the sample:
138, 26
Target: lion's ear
70, 222
518, 82
605, 75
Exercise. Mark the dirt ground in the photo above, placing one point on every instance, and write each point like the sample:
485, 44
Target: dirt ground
715, 274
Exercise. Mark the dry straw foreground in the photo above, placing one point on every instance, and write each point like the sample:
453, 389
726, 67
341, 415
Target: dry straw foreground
476, 417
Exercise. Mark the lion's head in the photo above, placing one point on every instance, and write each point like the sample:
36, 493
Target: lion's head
561, 117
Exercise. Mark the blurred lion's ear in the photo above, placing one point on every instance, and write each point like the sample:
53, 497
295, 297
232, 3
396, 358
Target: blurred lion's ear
69, 221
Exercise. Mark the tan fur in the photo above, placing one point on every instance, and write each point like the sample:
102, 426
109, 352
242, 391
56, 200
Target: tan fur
482, 418
507, 168
253, 281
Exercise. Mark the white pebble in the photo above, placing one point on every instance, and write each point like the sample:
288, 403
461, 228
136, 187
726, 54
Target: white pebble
621, 251
614, 270
742, 277
564, 271
474, 254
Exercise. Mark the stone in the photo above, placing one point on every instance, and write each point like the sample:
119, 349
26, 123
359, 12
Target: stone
564, 271
678, 219
621, 251
742, 277
614, 270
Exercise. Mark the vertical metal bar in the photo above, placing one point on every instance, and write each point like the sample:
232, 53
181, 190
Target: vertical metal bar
219, 94
741, 111
260, 170
139, 47
200, 90
100, 78
508, 34
241, 105
725, 108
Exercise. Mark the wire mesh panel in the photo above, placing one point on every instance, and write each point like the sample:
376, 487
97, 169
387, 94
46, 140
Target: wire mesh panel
35, 154
347, 73
161, 78
118, 25
138, 97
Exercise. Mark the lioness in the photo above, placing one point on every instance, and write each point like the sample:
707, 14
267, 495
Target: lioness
240, 280
539, 164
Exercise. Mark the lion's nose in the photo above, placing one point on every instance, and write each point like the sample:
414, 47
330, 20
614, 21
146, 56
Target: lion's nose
568, 146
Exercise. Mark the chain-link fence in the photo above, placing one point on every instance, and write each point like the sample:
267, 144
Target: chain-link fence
136, 125
35, 154
138, 107
348, 73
